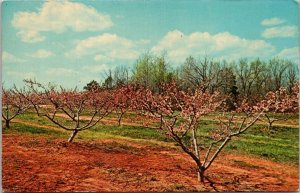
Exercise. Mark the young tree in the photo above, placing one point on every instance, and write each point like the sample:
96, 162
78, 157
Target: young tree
51, 102
122, 100
13, 104
180, 113
289, 104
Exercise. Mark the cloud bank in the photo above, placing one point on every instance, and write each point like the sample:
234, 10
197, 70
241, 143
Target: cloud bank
222, 46
58, 16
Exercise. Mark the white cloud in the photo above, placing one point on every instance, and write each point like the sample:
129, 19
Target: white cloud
105, 48
41, 54
272, 21
143, 41
221, 46
102, 58
22, 75
30, 36
61, 71
10, 58
57, 16
284, 31
98, 68
290, 53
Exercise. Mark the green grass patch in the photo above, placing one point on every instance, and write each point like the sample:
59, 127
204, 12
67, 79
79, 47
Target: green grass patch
281, 144
24, 129
135, 132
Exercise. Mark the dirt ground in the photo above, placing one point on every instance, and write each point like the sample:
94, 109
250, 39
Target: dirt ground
34, 164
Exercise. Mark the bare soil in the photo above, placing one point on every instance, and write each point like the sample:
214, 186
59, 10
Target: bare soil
32, 164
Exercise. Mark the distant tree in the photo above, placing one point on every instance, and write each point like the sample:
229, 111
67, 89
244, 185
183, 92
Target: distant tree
93, 85
278, 68
161, 74
292, 76
142, 70
120, 76
244, 78
108, 82
151, 71
202, 73
259, 75
228, 88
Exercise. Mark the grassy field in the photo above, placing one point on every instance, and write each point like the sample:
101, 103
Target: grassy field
280, 145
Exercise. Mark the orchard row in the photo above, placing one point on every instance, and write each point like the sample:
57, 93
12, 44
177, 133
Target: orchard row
177, 112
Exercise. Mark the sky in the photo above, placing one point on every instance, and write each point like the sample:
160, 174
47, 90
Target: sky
71, 43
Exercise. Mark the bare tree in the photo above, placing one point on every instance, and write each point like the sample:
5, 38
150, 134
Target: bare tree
278, 69
204, 73
292, 76
244, 78
120, 76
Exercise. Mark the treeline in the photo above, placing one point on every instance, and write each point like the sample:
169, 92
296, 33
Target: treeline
243, 79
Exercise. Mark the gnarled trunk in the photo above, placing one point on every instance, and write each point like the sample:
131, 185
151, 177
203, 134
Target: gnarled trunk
7, 124
74, 133
201, 171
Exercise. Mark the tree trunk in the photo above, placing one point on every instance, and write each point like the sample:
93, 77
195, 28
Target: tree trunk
195, 143
7, 124
73, 135
119, 120
196, 149
201, 174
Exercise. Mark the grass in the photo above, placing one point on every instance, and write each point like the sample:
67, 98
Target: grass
135, 132
24, 129
281, 144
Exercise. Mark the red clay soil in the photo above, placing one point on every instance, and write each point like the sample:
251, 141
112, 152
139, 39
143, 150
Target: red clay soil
36, 164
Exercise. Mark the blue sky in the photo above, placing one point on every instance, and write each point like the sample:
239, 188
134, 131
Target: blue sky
74, 42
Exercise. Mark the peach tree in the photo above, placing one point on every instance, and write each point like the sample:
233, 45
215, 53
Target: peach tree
180, 113
84, 109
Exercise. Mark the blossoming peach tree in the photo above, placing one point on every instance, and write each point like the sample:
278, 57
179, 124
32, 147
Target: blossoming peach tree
84, 109
122, 100
13, 104
286, 108
180, 113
